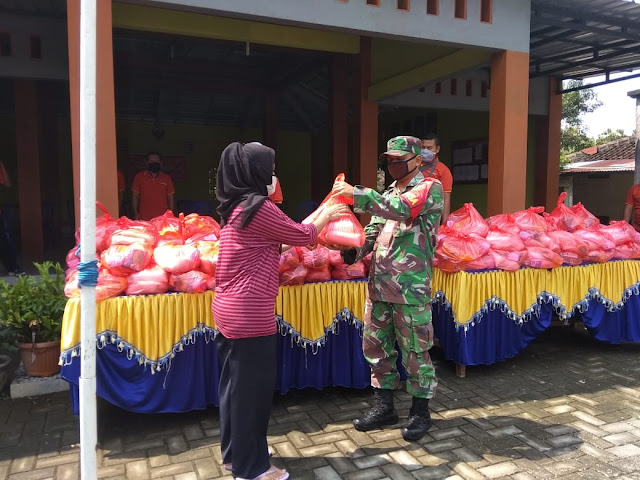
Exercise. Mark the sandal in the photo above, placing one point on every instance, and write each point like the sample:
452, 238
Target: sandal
272, 474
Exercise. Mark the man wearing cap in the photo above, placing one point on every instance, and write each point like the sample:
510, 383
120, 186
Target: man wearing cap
402, 236
432, 167
152, 191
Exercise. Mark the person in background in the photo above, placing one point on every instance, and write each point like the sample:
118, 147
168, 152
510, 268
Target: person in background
247, 282
152, 192
402, 236
632, 207
121, 188
7, 251
432, 167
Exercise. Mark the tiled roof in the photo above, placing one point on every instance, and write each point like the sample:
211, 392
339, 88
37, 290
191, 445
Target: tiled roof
616, 156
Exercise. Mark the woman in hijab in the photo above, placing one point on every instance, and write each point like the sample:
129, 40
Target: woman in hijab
253, 233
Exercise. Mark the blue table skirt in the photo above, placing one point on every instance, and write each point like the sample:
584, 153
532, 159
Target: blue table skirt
191, 383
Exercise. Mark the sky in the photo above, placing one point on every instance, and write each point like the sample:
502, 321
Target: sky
618, 110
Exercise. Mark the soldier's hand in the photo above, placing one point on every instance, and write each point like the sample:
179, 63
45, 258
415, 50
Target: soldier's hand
342, 189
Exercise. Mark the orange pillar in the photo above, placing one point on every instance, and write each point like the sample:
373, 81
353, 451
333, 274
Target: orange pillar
339, 124
28, 153
508, 114
548, 151
106, 159
365, 112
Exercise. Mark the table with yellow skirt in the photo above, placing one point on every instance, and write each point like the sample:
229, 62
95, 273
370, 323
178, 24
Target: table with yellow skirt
156, 353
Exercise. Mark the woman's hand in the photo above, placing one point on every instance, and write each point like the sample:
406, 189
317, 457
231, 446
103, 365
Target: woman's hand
334, 212
342, 189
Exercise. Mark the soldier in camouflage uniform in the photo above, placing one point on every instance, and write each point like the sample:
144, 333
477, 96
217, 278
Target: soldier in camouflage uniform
402, 235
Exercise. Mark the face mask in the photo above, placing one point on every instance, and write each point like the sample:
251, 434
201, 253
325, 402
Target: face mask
271, 188
400, 169
154, 168
427, 156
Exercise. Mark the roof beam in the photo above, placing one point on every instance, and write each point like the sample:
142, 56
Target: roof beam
604, 82
537, 19
583, 63
586, 16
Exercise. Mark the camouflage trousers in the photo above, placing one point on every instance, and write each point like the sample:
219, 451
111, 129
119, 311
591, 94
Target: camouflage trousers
410, 326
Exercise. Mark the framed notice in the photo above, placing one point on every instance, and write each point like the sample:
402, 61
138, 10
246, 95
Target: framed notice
470, 161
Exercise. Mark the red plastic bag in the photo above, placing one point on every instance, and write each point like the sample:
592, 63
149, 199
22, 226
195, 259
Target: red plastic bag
105, 225
485, 262
567, 218
531, 219
190, 282
108, 285
569, 242
367, 263
72, 259
211, 283
314, 259
123, 260
169, 228
508, 261
596, 239
503, 240
536, 238
588, 218
349, 272
289, 260
540, 257
627, 251
177, 259
467, 220
620, 231
202, 227
130, 231
458, 247
335, 258
151, 281
208, 256
316, 275
345, 231
294, 277
599, 256
504, 221
570, 258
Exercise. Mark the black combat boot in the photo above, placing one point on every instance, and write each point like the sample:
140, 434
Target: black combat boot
419, 420
381, 414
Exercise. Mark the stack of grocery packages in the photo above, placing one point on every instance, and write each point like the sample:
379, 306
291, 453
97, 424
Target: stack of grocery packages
531, 238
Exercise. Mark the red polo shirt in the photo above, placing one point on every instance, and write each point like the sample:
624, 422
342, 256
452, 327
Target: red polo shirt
153, 193
633, 199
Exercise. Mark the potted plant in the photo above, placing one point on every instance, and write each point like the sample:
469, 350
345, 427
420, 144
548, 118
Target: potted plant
31, 312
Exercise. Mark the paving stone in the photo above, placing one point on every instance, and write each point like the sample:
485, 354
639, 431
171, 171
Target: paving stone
499, 470
625, 450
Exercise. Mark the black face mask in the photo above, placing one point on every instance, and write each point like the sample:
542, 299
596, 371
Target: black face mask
400, 169
154, 168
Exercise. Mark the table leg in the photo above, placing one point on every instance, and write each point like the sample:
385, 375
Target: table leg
461, 370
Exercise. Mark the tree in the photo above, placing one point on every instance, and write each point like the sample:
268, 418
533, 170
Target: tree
610, 136
574, 104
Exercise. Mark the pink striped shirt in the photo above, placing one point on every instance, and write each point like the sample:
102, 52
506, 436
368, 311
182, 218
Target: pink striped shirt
247, 272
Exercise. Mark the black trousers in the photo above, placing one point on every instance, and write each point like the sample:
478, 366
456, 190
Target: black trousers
7, 253
247, 382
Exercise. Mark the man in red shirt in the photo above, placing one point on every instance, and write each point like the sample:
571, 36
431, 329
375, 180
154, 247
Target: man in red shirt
152, 192
432, 167
121, 187
632, 207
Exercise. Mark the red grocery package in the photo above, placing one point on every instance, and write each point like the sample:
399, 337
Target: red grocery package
569, 242
567, 218
190, 282
335, 258
105, 225
72, 259
123, 260
314, 259
202, 227
208, 256
531, 219
620, 231
315, 275
467, 220
627, 251
596, 239
504, 221
169, 228
485, 262
540, 257
150, 281
108, 285
587, 217
294, 277
600, 256
507, 241
508, 261
289, 260
349, 272
537, 238
129, 231
177, 259
570, 258
458, 247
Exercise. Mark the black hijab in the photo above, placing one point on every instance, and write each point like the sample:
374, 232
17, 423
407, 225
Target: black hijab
243, 176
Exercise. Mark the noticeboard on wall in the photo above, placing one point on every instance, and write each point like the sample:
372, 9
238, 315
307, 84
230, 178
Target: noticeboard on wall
470, 161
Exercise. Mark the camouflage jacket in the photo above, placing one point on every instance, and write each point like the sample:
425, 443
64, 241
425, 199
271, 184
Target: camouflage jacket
402, 235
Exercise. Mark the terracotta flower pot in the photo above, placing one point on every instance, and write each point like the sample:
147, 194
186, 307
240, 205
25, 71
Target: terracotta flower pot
40, 359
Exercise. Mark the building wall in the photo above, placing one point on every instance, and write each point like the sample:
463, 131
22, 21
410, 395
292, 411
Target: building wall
603, 196
509, 28
53, 39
